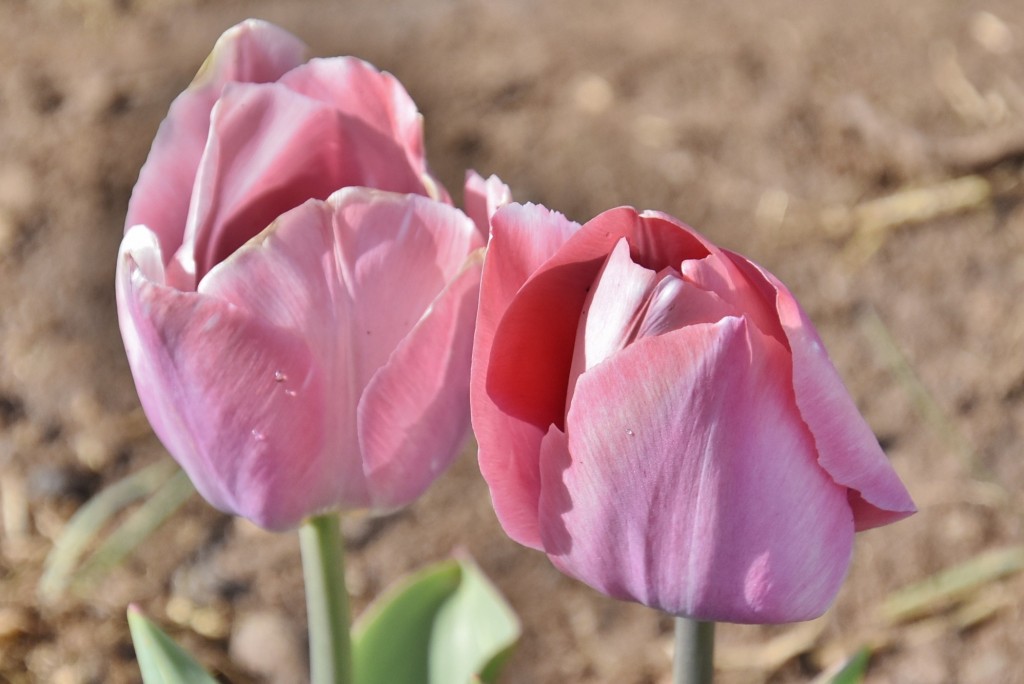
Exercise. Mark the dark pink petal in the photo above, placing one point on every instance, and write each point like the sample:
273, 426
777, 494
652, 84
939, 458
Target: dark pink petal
847, 448
529, 372
270, 150
481, 198
251, 52
414, 414
396, 254
657, 241
208, 375
523, 238
383, 128
281, 277
693, 486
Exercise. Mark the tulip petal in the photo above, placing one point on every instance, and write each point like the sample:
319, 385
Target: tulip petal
529, 373
414, 414
523, 237
612, 308
392, 244
675, 304
612, 312
691, 487
254, 52
718, 274
330, 271
281, 277
481, 198
847, 447
208, 374
270, 149
383, 128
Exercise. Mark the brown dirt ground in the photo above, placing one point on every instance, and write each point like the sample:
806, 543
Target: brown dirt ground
762, 127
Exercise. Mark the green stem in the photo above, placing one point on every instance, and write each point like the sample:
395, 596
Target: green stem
323, 569
695, 649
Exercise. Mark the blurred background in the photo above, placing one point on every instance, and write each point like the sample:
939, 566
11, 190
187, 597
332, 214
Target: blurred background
869, 153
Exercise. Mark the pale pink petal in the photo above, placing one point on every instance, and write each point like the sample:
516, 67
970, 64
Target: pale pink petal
287, 277
611, 313
270, 149
675, 304
523, 237
481, 198
207, 375
691, 487
720, 273
330, 271
414, 414
396, 253
253, 51
383, 127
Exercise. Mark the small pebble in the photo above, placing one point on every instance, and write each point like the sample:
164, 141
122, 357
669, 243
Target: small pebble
59, 481
991, 33
593, 94
14, 621
266, 644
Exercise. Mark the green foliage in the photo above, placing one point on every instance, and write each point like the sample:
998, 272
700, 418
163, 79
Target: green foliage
854, 669
160, 659
445, 625
163, 486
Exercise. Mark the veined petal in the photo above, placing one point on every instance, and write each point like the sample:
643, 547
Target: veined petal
252, 52
285, 278
383, 127
414, 414
691, 487
208, 375
523, 237
330, 272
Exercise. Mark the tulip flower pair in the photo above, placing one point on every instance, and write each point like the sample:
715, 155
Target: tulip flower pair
297, 298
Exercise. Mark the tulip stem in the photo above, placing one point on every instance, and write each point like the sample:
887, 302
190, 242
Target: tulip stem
323, 569
695, 648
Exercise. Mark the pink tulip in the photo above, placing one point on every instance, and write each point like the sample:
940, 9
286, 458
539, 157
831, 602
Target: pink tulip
299, 344
659, 416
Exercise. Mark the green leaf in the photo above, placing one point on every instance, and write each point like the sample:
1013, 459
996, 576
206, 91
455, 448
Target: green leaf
160, 659
87, 522
391, 642
169, 489
474, 633
445, 625
854, 669
143, 522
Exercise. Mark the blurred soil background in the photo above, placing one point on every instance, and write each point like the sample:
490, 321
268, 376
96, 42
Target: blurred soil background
868, 153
